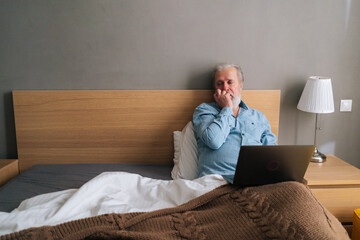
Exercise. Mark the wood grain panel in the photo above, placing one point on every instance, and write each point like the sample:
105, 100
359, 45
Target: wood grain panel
8, 169
341, 202
332, 173
133, 126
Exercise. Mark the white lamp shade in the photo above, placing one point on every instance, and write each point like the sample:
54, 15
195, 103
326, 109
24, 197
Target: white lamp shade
317, 96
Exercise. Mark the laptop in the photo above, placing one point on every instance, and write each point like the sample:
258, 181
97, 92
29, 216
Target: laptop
259, 165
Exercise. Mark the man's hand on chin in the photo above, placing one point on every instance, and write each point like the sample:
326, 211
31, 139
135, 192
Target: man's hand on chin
223, 99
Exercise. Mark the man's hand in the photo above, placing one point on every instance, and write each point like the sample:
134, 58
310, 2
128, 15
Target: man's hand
223, 98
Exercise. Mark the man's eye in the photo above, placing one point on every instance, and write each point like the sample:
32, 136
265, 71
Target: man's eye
230, 82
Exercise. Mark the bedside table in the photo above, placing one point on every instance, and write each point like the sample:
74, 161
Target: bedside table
337, 186
9, 168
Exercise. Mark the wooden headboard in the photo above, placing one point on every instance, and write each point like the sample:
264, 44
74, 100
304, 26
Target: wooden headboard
120, 126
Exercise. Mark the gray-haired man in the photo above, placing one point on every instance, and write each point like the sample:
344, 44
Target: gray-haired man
223, 126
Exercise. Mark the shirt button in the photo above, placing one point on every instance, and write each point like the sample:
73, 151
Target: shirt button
243, 134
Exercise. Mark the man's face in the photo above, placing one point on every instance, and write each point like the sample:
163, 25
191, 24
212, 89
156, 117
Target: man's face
227, 79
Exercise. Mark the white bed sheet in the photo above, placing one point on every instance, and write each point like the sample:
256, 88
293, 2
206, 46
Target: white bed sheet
110, 192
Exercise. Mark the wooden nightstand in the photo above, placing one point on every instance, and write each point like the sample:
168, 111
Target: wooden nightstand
9, 168
337, 185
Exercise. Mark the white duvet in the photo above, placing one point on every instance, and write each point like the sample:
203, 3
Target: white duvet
110, 192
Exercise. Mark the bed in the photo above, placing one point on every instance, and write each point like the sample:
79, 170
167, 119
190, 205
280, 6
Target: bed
100, 163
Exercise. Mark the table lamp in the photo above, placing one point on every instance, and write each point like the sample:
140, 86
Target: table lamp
317, 97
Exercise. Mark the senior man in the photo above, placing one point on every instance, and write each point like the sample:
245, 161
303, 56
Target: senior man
223, 126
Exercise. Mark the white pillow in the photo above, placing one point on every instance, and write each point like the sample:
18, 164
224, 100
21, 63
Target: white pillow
185, 154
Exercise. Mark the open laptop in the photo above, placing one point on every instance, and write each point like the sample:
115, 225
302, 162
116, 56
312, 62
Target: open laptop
259, 165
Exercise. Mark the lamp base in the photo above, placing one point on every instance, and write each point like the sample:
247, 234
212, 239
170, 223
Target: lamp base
318, 157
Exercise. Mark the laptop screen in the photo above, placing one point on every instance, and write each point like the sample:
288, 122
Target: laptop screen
259, 165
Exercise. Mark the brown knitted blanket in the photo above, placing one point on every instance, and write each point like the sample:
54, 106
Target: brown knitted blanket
278, 211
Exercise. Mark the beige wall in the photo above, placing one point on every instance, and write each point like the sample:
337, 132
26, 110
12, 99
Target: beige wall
172, 44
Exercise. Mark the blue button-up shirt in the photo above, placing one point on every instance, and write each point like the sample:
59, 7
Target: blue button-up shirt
220, 134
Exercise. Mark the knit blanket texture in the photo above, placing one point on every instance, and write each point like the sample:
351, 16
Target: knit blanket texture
285, 210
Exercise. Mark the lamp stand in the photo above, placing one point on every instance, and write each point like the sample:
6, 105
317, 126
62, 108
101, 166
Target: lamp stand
317, 156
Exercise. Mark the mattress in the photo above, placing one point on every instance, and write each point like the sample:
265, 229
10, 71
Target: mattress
48, 178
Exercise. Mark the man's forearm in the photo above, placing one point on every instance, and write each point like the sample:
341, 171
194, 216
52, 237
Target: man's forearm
213, 131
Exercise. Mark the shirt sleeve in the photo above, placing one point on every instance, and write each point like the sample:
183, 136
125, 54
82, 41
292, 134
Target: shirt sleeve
212, 126
267, 137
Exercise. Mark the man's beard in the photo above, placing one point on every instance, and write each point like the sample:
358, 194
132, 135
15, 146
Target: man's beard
235, 100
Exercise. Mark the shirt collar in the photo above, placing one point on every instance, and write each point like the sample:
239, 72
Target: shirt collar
243, 105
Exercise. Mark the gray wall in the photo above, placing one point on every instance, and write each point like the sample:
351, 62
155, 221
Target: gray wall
173, 44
